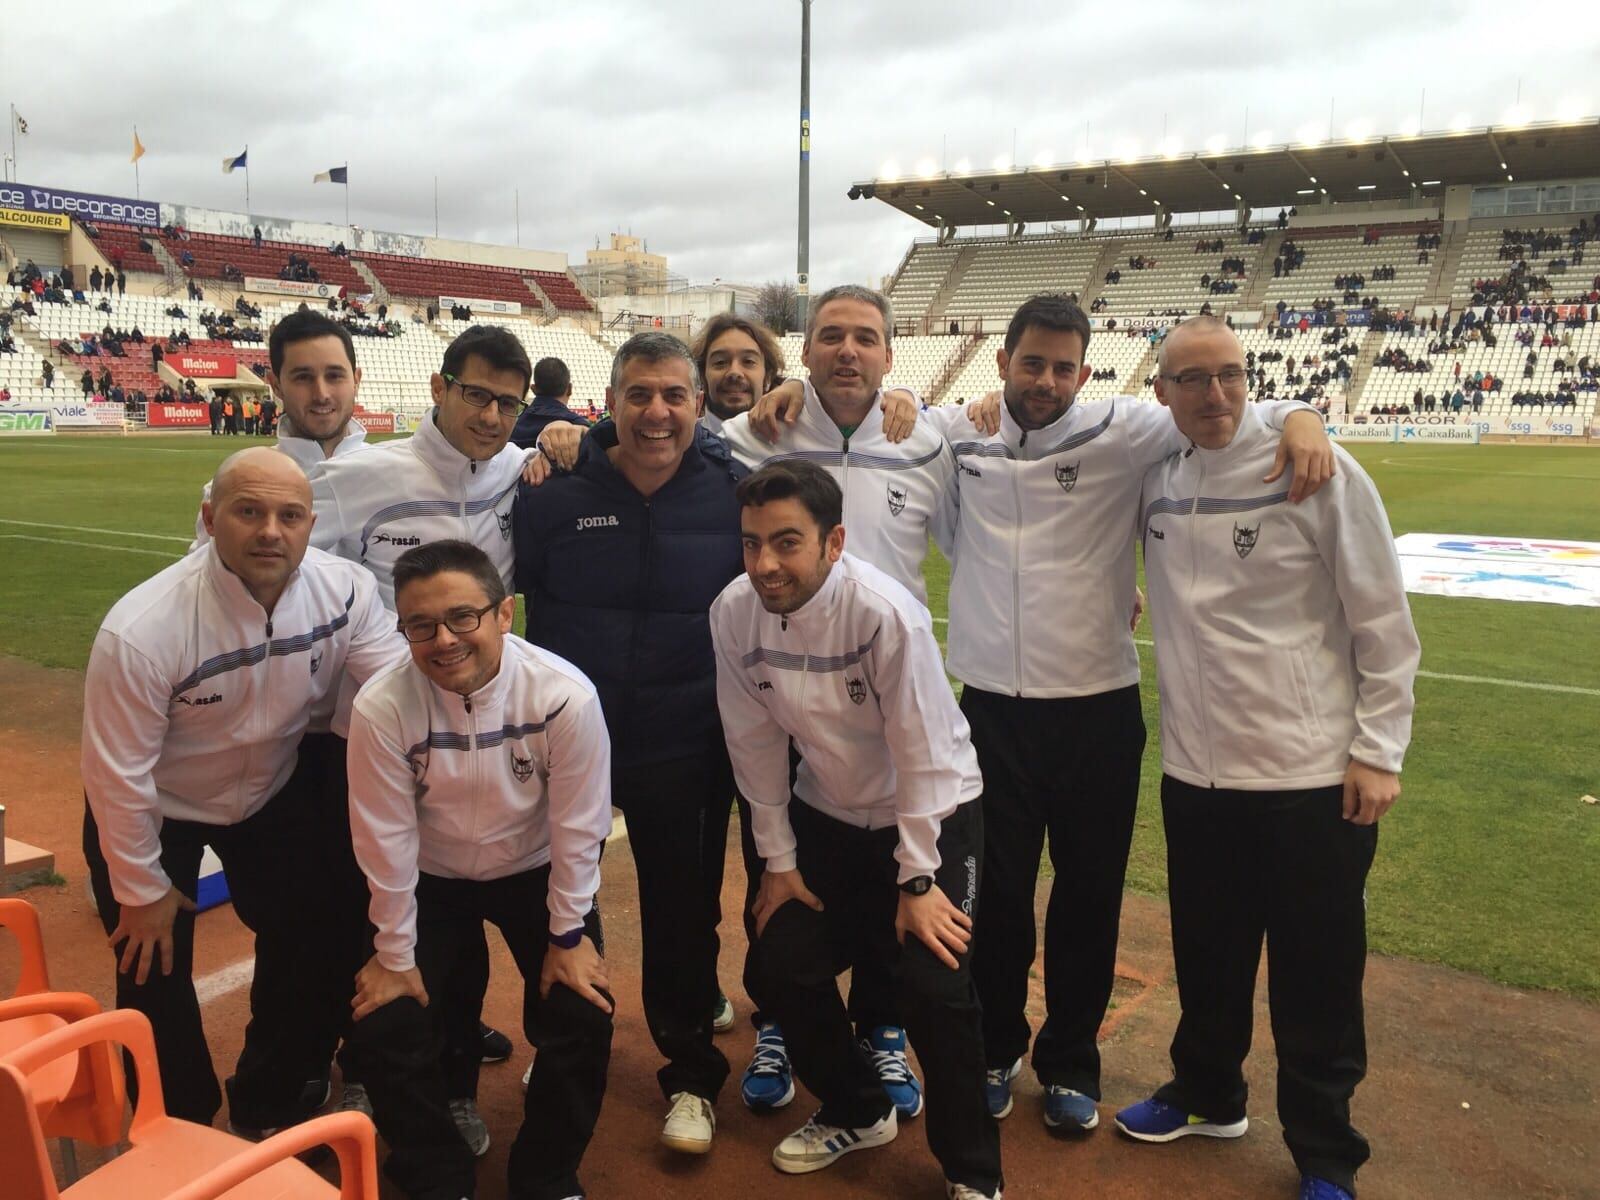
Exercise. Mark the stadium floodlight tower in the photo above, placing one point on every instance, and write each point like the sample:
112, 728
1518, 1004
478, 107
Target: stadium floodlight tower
802, 283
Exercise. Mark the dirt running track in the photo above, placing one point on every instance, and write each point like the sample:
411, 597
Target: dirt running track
1475, 1090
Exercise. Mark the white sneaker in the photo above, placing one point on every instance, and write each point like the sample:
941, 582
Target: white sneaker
690, 1124
526, 1076
474, 1132
960, 1191
815, 1145
722, 1018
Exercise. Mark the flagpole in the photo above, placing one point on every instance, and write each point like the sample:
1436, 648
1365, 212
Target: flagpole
16, 171
136, 195
347, 192
247, 179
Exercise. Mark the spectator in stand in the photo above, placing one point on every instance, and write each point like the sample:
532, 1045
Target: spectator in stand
552, 399
94, 279
122, 282
230, 416
214, 409
257, 238
87, 382
49, 374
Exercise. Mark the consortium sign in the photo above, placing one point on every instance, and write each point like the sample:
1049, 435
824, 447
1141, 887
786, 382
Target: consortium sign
84, 206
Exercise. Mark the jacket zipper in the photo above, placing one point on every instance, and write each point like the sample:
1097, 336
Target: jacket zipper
260, 709
472, 762
1200, 674
1016, 576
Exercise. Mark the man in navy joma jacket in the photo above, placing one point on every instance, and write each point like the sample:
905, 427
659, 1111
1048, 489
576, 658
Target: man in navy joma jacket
618, 562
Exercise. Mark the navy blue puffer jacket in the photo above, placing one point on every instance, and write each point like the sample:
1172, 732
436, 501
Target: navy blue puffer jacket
621, 587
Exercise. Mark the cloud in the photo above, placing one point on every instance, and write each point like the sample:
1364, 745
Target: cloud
680, 122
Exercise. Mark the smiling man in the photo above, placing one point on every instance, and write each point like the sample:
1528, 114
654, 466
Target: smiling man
619, 562
1286, 658
479, 791
199, 687
873, 854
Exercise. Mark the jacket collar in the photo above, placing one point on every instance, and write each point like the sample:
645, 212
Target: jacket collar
430, 445
309, 453
491, 694
818, 611
1048, 435
1250, 433
236, 598
820, 425
595, 463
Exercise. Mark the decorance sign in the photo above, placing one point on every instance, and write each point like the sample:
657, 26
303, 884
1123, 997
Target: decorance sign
161, 415
84, 206
204, 366
505, 307
55, 222
290, 287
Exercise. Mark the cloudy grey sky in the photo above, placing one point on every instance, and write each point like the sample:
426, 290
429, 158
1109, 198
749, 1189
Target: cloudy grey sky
679, 120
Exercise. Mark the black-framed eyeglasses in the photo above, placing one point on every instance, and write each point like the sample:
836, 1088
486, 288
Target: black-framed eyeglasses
482, 397
1199, 381
458, 620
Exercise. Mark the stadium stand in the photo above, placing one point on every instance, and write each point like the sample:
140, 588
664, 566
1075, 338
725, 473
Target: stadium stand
1171, 280
428, 279
1000, 275
123, 246
1331, 253
212, 252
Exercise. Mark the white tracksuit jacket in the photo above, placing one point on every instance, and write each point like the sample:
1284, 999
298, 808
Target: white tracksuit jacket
514, 776
1042, 586
373, 506
895, 495
195, 699
303, 450
1284, 643
854, 677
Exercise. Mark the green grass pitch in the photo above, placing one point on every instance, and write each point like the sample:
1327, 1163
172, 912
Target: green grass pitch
1489, 862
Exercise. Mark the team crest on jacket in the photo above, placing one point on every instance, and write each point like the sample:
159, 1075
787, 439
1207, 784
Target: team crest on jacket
897, 502
521, 768
505, 524
1244, 539
316, 661
856, 689
1067, 476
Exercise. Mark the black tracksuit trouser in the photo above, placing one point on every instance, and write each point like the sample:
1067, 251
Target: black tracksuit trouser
1070, 768
1288, 867
677, 814
397, 1048
291, 885
853, 872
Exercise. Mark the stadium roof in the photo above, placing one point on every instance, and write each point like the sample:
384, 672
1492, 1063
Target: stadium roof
1396, 167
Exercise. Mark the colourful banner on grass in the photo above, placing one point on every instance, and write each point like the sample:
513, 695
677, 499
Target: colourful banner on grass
1543, 570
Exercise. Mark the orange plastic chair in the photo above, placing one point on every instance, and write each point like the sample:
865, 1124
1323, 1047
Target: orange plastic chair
22, 919
66, 1091
170, 1159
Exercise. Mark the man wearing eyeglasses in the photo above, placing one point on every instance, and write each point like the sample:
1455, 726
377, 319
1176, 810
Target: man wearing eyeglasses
1041, 589
480, 790
455, 477
199, 687
1286, 657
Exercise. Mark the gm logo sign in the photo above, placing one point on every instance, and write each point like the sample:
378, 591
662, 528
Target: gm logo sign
24, 421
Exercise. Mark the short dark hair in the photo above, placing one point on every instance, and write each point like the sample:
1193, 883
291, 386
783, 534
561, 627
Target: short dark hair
495, 344
653, 346
302, 326
795, 479
551, 378
723, 322
852, 291
451, 554
1057, 312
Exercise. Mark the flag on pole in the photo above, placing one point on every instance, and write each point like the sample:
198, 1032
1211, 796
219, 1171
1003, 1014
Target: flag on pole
22, 126
138, 147
333, 175
229, 165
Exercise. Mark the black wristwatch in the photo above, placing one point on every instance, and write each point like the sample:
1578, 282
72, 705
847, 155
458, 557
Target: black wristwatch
566, 941
917, 885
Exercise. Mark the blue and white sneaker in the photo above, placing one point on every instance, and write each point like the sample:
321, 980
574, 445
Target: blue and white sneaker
1069, 1110
1154, 1121
887, 1046
814, 1145
768, 1081
997, 1089
1312, 1188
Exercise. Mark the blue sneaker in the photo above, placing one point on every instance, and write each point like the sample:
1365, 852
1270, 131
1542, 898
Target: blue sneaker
1069, 1110
997, 1089
768, 1081
1312, 1188
1153, 1121
887, 1045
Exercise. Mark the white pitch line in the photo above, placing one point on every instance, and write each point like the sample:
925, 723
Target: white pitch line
24, 537
1526, 684
224, 980
155, 537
